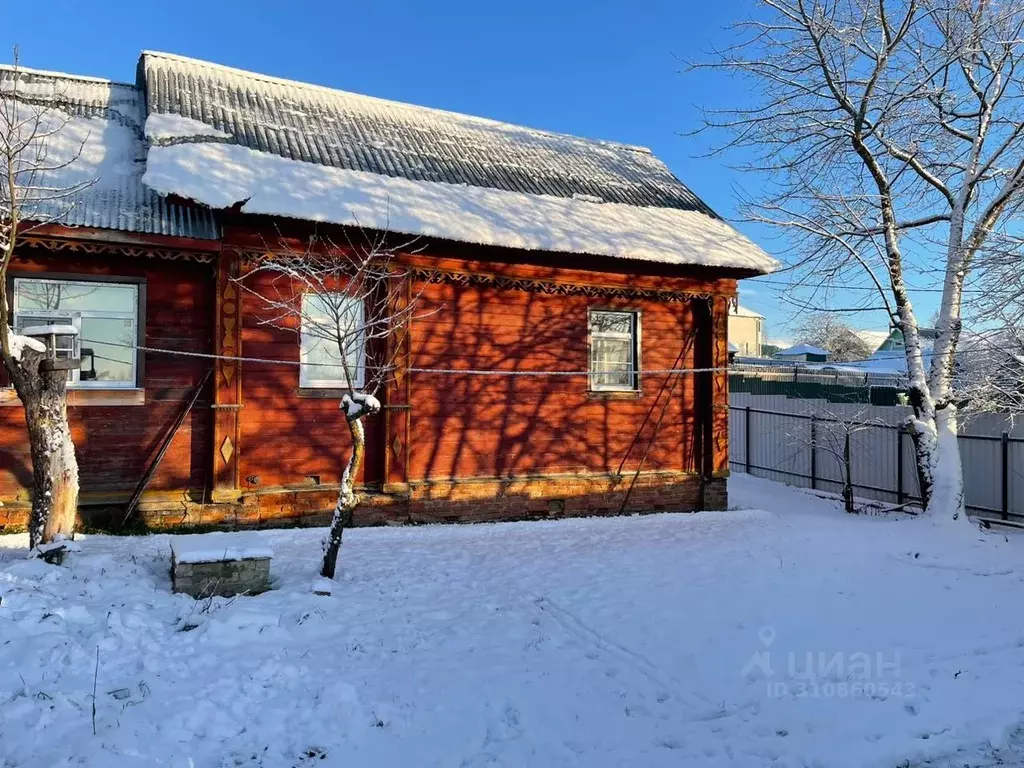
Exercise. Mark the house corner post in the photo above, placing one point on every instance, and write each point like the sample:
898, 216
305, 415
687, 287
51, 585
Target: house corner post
398, 398
720, 387
227, 386
714, 414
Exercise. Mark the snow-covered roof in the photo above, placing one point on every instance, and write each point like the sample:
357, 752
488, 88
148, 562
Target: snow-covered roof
741, 311
803, 349
873, 339
225, 137
96, 128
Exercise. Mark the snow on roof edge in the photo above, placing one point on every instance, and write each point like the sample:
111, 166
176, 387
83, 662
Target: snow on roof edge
393, 102
65, 75
272, 185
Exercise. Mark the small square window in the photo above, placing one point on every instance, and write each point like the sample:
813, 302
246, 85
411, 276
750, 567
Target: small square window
333, 337
614, 351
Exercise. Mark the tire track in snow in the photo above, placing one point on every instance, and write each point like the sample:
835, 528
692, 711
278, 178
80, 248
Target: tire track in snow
699, 708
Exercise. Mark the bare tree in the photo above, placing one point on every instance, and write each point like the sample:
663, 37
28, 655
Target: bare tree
990, 371
33, 192
893, 133
832, 432
350, 306
826, 330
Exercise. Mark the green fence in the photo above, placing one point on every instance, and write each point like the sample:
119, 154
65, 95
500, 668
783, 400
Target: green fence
818, 383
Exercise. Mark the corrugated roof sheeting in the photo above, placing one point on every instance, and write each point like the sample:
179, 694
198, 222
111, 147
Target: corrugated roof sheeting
102, 133
344, 130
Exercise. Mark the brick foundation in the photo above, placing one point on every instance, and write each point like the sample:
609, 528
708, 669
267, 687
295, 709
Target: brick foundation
433, 501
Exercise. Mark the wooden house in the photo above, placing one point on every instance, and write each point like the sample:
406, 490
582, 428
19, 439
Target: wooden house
535, 253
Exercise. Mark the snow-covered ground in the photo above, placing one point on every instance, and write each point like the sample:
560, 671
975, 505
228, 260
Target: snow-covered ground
606, 642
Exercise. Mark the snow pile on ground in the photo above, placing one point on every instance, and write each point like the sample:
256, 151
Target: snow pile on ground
664, 640
222, 175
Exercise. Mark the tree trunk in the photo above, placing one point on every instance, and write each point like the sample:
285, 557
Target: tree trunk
847, 475
940, 470
54, 466
348, 499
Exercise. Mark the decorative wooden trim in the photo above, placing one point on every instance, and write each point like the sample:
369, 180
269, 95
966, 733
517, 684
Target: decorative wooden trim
250, 256
227, 383
121, 249
397, 397
78, 398
555, 288
720, 387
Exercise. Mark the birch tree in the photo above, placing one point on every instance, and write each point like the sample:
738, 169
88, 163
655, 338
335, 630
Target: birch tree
349, 306
893, 135
32, 194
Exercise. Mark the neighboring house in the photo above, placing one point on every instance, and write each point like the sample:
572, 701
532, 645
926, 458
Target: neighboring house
890, 357
527, 244
804, 353
873, 339
746, 331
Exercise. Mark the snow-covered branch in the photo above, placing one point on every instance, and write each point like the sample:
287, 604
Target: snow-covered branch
892, 131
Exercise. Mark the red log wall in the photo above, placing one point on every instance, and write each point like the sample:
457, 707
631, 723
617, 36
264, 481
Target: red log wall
116, 442
446, 444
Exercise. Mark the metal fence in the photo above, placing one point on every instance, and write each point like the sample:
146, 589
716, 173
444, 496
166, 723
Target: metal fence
788, 446
834, 383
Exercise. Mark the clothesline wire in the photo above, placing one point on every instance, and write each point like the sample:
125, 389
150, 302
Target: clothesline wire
296, 363
466, 371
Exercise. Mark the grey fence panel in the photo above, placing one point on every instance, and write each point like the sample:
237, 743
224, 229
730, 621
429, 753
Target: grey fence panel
982, 466
1015, 476
771, 436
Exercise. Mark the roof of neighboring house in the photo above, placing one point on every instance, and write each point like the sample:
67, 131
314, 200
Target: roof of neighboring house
803, 349
95, 157
226, 137
874, 339
741, 311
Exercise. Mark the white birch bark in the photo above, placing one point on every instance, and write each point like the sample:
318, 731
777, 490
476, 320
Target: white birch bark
889, 127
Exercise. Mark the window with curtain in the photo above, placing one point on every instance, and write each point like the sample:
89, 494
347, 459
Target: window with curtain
614, 350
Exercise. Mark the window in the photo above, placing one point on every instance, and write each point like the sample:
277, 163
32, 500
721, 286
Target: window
614, 351
326, 318
106, 315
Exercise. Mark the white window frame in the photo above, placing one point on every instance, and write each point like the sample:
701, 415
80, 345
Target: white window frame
74, 317
308, 377
633, 337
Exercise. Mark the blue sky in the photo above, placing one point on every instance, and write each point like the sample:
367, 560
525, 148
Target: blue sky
607, 70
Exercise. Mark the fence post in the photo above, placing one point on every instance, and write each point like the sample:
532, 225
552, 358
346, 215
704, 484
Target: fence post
814, 453
899, 464
746, 439
1005, 445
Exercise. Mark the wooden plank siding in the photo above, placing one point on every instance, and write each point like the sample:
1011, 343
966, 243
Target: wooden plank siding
445, 446
471, 426
468, 426
115, 443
